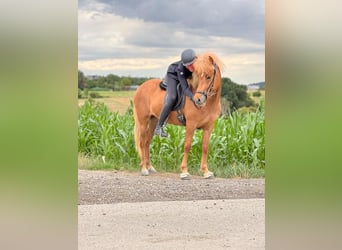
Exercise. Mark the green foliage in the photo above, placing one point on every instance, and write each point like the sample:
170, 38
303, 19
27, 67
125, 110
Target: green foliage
256, 94
107, 134
237, 144
79, 95
81, 80
94, 95
236, 94
247, 109
109, 82
82, 93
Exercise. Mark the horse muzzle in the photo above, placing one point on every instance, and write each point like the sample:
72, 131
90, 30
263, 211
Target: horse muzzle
200, 99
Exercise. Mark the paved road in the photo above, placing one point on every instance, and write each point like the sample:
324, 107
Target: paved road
209, 224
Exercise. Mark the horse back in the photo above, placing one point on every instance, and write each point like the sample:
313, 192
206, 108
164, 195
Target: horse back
148, 101
148, 98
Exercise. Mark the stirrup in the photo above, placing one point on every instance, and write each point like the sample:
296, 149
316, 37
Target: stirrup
159, 131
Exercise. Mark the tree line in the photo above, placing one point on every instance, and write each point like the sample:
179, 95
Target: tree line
234, 95
109, 82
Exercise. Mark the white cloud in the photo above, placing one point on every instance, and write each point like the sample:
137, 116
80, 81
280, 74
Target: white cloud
104, 33
126, 64
109, 43
245, 68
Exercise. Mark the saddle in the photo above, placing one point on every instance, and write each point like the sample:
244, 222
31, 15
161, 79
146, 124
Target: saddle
178, 107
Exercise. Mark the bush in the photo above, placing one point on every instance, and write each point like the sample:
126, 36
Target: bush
94, 95
256, 94
82, 93
79, 93
236, 95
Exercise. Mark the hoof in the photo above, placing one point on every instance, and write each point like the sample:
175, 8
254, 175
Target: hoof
185, 176
144, 172
152, 170
208, 175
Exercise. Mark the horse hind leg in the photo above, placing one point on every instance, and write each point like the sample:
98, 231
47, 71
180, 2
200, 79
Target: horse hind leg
150, 132
145, 140
143, 145
139, 130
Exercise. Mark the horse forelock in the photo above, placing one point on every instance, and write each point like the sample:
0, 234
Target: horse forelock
204, 64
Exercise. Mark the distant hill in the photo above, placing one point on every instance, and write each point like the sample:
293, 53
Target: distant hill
257, 85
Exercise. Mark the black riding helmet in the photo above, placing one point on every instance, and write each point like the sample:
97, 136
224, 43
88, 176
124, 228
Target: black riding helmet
188, 57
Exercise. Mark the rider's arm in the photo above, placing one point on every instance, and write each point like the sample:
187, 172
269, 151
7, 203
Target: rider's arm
184, 83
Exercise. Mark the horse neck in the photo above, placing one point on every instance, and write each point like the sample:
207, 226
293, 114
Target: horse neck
217, 96
218, 87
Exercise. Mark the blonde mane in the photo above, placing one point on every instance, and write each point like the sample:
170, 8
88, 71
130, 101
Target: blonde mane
204, 63
204, 66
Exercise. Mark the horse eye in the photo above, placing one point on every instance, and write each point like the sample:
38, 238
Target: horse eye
208, 77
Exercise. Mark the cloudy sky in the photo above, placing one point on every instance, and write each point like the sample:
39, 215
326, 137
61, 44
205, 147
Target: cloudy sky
141, 38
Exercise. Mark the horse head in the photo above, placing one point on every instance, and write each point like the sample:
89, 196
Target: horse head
207, 78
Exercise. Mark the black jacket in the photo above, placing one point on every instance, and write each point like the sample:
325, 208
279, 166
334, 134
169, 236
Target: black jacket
178, 73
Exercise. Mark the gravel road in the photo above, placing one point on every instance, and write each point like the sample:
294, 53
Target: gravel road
122, 210
107, 187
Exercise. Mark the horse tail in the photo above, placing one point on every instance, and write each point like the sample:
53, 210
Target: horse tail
136, 131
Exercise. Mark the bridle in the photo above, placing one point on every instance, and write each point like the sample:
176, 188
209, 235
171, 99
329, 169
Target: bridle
209, 91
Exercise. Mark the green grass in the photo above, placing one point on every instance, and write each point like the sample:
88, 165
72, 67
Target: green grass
116, 101
257, 99
125, 94
237, 145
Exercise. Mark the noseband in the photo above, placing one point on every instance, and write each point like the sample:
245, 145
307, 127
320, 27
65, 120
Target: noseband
209, 91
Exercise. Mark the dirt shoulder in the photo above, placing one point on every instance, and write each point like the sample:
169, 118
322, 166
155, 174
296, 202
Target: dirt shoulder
106, 187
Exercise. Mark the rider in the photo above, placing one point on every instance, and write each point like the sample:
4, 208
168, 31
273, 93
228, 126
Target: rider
177, 73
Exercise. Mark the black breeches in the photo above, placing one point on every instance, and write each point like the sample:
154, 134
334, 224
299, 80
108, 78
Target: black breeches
169, 101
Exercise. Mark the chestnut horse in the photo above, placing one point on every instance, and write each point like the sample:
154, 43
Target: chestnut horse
148, 101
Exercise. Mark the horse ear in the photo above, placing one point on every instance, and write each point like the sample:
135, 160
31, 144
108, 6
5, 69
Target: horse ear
211, 59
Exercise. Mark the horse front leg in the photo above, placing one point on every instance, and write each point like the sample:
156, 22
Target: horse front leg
187, 146
205, 148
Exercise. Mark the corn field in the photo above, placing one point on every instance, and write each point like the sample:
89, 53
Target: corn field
236, 149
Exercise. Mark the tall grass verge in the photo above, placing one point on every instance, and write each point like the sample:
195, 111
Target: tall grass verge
237, 144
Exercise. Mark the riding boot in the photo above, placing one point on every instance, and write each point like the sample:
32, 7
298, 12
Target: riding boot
163, 116
159, 131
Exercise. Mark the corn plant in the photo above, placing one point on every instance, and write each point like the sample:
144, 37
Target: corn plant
106, 134
237, 144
